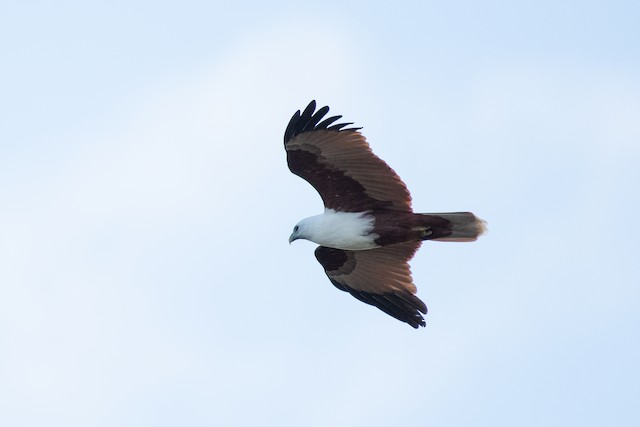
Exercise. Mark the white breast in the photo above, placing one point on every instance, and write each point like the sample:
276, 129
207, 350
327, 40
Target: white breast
342, 230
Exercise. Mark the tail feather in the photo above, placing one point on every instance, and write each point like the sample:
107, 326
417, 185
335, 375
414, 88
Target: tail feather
461, 227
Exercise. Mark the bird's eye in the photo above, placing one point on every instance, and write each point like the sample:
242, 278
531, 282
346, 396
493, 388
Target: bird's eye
295, 228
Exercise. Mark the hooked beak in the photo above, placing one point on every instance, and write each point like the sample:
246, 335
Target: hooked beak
292, 237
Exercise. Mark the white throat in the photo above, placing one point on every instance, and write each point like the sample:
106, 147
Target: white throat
340, 230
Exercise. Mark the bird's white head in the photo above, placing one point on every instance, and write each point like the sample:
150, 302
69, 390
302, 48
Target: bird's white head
302, 230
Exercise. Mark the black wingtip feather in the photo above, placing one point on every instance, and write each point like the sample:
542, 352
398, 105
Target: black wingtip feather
308, 112
399, 306
309, 120
326, 122
316, 118
289, 132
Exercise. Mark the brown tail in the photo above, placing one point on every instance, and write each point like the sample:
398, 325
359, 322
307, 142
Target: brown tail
459, 227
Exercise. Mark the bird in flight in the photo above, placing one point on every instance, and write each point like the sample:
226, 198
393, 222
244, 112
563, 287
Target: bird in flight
368, 231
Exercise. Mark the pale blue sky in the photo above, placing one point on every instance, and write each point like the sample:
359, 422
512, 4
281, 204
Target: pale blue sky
145, 207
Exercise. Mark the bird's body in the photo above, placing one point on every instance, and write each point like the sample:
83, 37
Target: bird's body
368, 231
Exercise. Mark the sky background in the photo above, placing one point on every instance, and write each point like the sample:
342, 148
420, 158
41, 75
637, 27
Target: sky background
145, 207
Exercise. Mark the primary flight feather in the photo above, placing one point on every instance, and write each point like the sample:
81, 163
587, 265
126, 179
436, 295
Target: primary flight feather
368, 231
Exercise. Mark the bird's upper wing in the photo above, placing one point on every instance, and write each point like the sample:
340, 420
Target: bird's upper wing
380, 277
339, 163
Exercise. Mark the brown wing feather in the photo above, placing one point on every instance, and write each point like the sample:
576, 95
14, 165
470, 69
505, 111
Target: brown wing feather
380, 277
340, 165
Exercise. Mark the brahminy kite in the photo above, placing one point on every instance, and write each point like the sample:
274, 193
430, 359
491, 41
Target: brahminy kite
368, 231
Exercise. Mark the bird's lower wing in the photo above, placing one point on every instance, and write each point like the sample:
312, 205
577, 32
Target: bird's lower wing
380, 277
